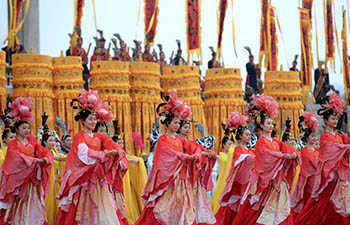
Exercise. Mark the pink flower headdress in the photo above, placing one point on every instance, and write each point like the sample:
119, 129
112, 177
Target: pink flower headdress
21, 109
88, 101
103, 112
335, 103
174, 106
266, 104
235, 120
307, 124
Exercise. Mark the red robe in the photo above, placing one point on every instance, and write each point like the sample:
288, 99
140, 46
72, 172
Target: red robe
309, 178
330, 203
236, 185
200, 176
87, 174
24, 183
270, 182
147, 57
80, 52
167, 195
99, 55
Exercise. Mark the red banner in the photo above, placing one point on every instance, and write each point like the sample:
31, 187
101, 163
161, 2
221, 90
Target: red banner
263, 29
78, 12
272, 61
307, 4
306, 50
193, 18
344, 35
222, 13
329, 31
151, 20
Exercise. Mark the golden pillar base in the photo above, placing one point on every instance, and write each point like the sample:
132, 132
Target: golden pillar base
3, 80
223, 94
145, 95
186, 81
285, 88
32, 77
68, 81
111, 80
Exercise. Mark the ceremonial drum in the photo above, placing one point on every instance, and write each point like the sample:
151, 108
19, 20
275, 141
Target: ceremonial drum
145, 94
67, 82
285, 88
186, 81
223, 94
111, 80
3, 91
32, 77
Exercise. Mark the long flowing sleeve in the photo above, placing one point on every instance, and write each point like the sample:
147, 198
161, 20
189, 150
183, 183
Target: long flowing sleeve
18, 168
167, 164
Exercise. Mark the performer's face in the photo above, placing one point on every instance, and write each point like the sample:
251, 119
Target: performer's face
290, 141
58, 146
246, 136
10, 137
268, 125
332, 121
90, 122
185, 130
227, 145
121, 142
23, 130
102, 130
174, 125
312, 139
67, 142
50, 143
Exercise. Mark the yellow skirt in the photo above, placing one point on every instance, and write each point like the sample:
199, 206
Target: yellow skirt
225, 162
133, 183
51, 204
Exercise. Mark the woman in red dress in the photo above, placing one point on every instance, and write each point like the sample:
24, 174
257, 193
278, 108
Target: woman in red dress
329, 204
310, 171
275, 163
94, 170
25, 173
200, 177
167, 195
241, 169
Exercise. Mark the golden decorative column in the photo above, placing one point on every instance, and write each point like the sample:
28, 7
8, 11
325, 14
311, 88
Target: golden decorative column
111, 80
3, 80
68, 81
32, 77
223, 94
145, 95
285, 88
186, 81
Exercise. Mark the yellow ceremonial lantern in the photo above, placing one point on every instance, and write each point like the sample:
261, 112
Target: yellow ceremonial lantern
145, 95
68, 81
285, 88
32, 77
186, 81
111, 80
223, 94
3, 91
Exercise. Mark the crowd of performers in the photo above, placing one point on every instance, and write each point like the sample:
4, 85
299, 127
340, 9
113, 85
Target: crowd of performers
79, 180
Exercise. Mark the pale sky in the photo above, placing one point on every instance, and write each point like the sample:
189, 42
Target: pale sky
120, 16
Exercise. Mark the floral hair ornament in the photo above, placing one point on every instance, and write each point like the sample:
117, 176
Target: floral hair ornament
174, 106
103, 113
87, 100
21, 109
266, 104
335, 103
308, 121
